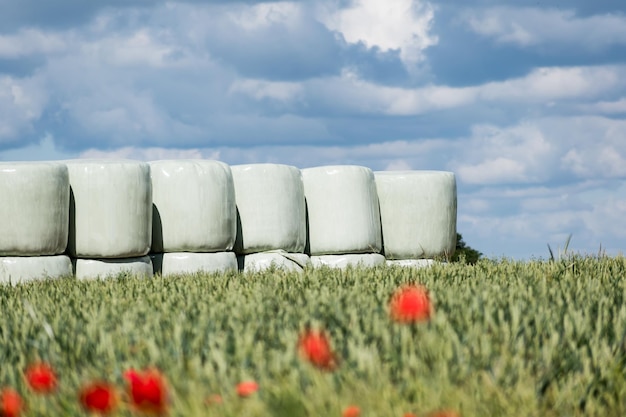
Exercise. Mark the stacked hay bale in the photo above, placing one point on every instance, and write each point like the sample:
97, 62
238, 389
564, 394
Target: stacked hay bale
271, 227
110, 223
34, 210
418, 215
194, 220
200, 215
343, 216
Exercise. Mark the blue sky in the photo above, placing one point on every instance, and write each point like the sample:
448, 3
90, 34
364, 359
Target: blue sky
524, 101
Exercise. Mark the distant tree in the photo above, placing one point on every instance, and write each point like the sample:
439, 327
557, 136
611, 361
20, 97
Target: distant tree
471, 255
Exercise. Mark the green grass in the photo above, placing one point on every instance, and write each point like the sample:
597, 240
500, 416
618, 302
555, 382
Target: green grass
540, 338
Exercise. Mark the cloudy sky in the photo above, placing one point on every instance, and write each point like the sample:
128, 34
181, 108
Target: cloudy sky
524, 101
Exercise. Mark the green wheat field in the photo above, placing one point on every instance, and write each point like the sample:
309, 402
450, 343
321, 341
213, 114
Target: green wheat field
508, 338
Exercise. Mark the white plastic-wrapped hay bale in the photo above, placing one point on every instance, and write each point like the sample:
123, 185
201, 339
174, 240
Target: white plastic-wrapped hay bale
271, 207
287, 261
15, 269
418, 213
34, 209
355, 260
110, 208
174, 263
194, 206
343, 215
410, 263
107, 268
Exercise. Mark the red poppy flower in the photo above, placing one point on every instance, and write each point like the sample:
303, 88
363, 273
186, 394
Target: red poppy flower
41, 378
147, 390
247, 388
411, 304
351, 411
409, 415
98, 397
11, 404
314, 347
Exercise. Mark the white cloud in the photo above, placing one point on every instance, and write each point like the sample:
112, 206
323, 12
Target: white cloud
398, 165
498, 170
22, 101
543, 85
123, 116
591, 146
402, 102
149, 154
387, 155
31, 42
475, 205
265, 14
158, 85
605, 107
144, 46
574, 161
348, 93
592, 214
138, 48
527, 27
543, 150
556, 83
261, 89
608, 216
44, 150
403, 25
498, 156
554, 202
600, 160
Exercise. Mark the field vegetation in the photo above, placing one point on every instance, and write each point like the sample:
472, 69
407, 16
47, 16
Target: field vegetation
506, 338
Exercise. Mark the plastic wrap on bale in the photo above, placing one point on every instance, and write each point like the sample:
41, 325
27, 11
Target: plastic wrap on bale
34, 208
193, 206
175, 263
271, 208
354, 260
279, 259
418, 213
110, 208
410, 263
109, 268
342, 207
17, 269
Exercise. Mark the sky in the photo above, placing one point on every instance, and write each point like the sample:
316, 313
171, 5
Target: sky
524, 101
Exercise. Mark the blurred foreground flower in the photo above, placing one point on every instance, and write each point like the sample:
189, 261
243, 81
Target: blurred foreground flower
247, 388
314, 347
411, 304
98, 397
41, 378
11, 404
147, 390
351, 411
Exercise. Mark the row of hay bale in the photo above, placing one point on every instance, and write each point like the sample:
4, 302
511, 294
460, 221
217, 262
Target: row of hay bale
100, 217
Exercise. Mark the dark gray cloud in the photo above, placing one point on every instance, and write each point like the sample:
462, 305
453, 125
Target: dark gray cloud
464, 57
285, 50
582, 7
61, 14
58, 14
384, 68
23, 66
